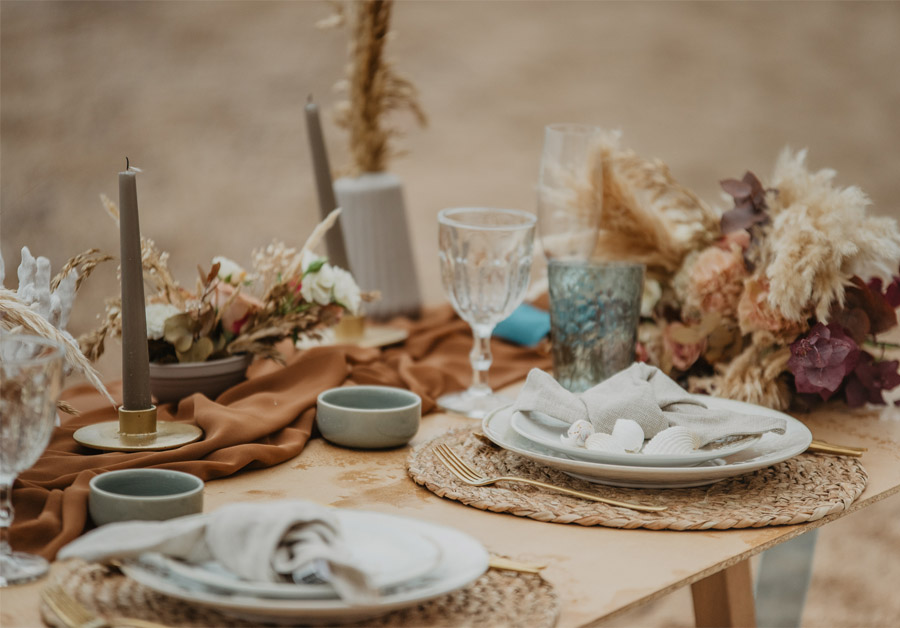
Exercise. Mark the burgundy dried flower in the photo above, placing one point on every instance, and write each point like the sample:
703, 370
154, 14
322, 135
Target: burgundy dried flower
822, 359
749, 203
891, 294
869, 380
865, 310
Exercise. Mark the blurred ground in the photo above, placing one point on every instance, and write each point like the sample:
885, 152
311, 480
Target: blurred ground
207, 98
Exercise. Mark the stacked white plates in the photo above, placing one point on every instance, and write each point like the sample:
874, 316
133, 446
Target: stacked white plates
410, 561
537, 437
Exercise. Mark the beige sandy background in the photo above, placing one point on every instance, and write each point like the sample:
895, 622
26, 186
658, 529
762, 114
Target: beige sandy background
207, 98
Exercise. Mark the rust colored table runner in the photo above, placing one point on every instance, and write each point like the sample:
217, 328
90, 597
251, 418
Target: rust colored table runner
261, 422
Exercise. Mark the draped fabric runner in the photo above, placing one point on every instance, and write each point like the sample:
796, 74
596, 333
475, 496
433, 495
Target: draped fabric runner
259, 423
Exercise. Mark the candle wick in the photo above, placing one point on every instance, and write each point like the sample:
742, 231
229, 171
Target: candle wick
127, 164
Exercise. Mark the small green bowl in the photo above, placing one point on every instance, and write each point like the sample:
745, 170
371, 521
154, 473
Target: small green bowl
144, 494
368, 417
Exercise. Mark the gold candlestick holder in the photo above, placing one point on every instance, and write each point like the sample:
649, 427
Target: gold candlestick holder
137, 430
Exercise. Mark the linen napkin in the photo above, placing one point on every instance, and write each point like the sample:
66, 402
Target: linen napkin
644, 394
260, 542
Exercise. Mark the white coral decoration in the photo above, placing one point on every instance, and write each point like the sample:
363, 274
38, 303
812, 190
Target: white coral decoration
230, 271
157, 313
346, 292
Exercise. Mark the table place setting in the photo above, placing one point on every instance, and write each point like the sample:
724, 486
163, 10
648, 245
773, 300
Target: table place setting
288, 562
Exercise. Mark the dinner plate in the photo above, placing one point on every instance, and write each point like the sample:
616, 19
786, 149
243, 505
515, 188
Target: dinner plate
547, 431
390, 556
768, 450
463, 560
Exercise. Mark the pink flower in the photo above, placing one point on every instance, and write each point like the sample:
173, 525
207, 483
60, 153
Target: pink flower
237, 312
716, 279
755, 313
683, 355
822, 359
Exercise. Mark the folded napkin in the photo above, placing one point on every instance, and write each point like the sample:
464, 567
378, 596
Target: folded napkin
644, 394
260, 542
526, 326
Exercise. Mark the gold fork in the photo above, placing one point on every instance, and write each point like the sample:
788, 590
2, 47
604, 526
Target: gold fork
469, 475
74, 615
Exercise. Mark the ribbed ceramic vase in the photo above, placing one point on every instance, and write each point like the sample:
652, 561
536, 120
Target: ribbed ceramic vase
376, 233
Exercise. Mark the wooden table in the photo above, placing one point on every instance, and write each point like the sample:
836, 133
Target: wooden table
598, 572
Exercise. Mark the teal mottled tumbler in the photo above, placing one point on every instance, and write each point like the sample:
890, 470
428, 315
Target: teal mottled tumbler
594, 313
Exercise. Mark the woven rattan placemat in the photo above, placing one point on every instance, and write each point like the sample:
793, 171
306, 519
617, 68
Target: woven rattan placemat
498, 598
803, 488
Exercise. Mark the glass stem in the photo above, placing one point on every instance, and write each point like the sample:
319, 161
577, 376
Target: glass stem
6, 515
481, 359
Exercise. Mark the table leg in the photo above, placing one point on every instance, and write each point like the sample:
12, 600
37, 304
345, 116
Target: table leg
782, 581
725, 599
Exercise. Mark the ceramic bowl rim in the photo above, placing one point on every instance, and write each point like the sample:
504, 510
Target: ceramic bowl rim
415, 400
152, 472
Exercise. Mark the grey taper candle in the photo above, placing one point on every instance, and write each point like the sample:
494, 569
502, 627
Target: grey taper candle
334, 239
135, 355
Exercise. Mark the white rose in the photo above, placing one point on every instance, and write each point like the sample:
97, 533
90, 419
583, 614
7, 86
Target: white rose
230, 271
157, 313
317, 286
346, 292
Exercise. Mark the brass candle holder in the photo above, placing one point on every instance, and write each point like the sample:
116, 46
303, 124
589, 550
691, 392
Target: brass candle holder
137, 430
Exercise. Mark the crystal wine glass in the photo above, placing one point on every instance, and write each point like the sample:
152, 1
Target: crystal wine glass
570, 191
31, 371
485, 257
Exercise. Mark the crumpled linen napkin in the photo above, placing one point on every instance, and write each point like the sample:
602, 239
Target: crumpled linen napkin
644, 394
261, 542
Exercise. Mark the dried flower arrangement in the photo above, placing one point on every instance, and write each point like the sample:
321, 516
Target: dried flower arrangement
296, 293
776, 301
373, 87
41, 306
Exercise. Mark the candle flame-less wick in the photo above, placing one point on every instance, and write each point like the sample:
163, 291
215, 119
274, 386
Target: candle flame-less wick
127, 165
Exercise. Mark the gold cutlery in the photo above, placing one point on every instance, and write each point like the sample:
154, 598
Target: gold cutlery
821, 447
473, 477
74, 615
507, 564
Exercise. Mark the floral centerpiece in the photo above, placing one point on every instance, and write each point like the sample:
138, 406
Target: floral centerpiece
288, 293
778, 300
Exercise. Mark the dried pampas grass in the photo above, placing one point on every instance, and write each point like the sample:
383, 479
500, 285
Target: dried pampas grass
820, 237
755, 376
375, 89
646, 215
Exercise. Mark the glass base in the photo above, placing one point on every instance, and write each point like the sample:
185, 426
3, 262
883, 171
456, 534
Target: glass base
19, 567
475, 405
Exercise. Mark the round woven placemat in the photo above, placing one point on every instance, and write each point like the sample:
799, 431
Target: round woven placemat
803, 488
498, 598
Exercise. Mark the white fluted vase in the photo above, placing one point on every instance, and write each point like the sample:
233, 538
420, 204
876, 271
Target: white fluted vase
376, 234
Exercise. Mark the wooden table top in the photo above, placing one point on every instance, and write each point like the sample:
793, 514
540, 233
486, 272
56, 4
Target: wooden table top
598, 572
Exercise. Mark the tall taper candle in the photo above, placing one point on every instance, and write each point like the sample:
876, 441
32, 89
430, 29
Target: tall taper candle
135, 355
334, 239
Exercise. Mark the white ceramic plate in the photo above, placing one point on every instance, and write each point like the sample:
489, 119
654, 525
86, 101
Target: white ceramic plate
545, 430
463, 560
389, 555
768, 450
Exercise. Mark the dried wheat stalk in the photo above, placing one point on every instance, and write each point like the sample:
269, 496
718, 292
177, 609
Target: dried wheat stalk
84, 264
375, 90
16, 315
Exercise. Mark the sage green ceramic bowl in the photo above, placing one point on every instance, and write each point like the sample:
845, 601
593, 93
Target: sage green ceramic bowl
368, 417
144, 494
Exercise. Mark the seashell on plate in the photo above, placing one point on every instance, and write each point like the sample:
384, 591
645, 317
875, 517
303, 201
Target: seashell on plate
629, 434
577, 433
674, 440
604, 442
